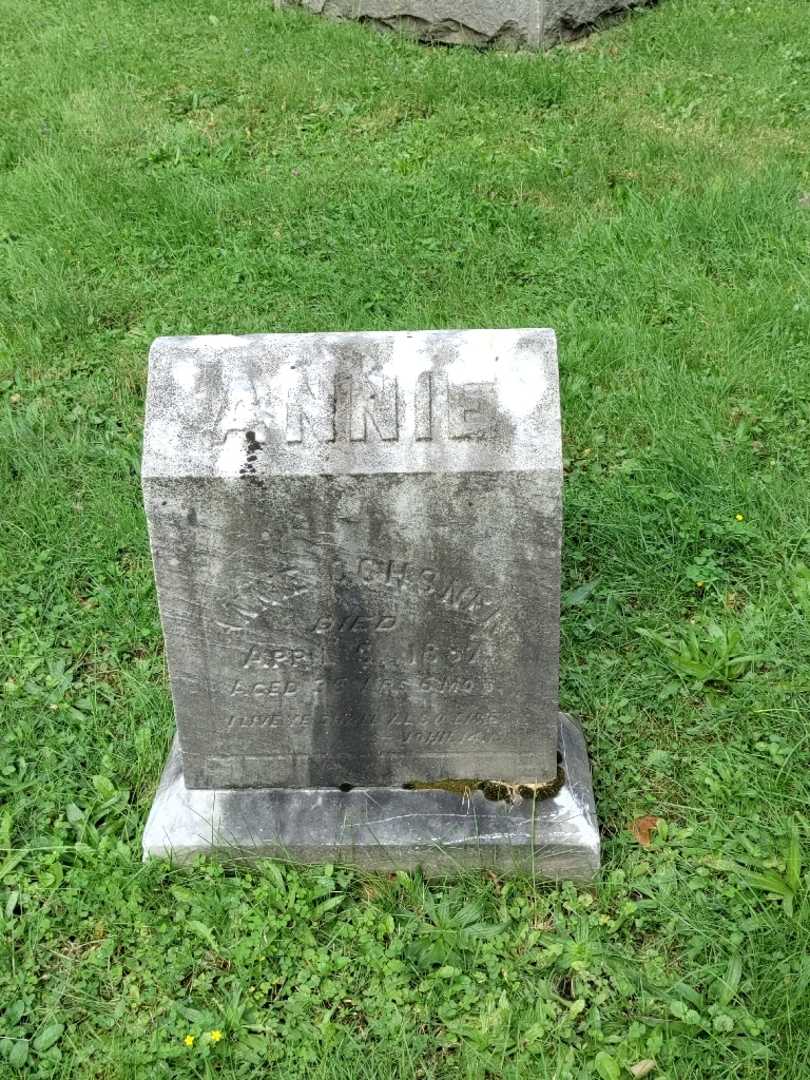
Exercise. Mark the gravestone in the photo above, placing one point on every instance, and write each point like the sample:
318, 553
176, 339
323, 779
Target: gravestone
356, 541
532, 24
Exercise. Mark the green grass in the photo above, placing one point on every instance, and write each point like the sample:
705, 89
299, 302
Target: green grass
169, 168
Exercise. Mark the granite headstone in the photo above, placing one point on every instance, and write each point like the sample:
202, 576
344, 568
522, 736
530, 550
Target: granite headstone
356, 541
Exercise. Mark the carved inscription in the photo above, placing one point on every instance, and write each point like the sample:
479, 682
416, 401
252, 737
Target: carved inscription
423, 407
277, 597
310, 409
373, 408
276, 657
471, 410
264, 689
354, 624
427, 581
269, 721
395, 726
288, 677
364, 406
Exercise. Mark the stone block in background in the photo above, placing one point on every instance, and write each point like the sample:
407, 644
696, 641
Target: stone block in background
533, 24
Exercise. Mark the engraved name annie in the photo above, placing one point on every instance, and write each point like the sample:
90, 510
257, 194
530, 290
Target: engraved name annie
363, 405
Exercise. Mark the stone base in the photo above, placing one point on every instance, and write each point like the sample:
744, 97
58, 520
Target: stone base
385, 828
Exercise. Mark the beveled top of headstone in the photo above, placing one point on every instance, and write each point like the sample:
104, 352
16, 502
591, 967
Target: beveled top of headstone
347, 403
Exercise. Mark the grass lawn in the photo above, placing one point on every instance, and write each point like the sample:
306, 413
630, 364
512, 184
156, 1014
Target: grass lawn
201, 167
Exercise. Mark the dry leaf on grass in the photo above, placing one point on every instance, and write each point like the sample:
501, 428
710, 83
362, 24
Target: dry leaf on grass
642, 829
642, 1068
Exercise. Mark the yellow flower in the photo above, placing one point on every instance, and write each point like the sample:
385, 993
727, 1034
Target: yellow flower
739, 517
700, 584
215, 1035
189, 1040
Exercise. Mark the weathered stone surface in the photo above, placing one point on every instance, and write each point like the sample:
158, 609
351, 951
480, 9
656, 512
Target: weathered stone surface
511, 23
386, 828
356, 541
